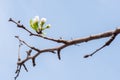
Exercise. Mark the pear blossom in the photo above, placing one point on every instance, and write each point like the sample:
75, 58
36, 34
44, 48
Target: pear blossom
36, 19
34, 23
38, 24
42, 21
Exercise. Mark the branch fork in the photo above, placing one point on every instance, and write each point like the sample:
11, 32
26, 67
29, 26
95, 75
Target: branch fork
65, 43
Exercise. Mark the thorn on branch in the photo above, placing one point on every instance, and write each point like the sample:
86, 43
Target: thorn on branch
33, 61
18, 21
29, 52
10, 19
25, 67
58, 53
19, 59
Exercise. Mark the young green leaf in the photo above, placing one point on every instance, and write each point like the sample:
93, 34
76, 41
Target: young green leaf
34, 25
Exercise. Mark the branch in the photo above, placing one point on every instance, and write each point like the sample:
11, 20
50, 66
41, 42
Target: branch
27, 44
75, 41
38, 35
66, 43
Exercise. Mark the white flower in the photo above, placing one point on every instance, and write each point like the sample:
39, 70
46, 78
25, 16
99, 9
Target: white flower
36, 19
42, 21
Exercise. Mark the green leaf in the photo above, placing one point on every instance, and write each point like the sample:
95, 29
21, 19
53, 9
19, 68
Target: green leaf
34, 25
31, 24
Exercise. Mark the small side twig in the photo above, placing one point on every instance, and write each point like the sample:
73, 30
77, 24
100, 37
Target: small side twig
106, 44
27, 44
25, 67
17, 71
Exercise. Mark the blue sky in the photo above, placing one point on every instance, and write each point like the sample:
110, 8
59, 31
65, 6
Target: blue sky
69, 19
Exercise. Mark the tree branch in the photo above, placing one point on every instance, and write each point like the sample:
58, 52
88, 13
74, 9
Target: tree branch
72, 42
58, 49
37, 35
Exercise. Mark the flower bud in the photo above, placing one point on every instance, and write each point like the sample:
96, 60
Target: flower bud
36, 19
48, 26
42, 21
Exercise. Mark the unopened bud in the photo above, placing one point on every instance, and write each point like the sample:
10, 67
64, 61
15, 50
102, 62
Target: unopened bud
42, 21
36, 19
48, 26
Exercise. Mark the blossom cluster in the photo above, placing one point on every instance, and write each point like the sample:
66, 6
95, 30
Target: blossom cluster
38, 24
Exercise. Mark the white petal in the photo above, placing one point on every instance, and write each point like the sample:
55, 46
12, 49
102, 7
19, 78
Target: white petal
36, 19
43, 20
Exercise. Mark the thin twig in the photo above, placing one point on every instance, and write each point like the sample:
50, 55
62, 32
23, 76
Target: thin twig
38, 35
25, 67
18, 72
106, 44
27, 44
